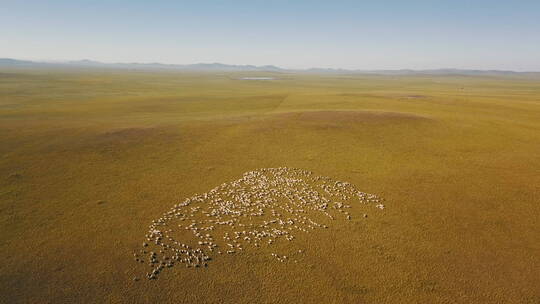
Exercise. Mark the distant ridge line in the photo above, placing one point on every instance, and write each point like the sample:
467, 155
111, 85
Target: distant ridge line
85, 63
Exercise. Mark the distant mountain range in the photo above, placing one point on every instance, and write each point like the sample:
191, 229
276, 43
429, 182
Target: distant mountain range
9, 62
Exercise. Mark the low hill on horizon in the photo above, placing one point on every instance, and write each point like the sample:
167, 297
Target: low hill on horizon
85, 63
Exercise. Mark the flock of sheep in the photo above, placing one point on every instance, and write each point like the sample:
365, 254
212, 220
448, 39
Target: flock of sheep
262, 208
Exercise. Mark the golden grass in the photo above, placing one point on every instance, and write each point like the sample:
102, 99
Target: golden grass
89, 158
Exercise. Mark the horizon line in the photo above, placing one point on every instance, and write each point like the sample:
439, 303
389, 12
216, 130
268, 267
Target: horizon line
93, 61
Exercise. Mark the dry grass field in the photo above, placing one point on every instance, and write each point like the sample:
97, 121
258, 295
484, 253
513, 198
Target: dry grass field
89, 158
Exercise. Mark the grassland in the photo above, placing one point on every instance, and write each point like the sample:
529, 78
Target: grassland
89, 158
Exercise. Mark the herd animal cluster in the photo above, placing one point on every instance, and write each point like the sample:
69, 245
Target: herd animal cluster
262, 208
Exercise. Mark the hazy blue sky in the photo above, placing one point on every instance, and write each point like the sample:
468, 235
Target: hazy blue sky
481, 34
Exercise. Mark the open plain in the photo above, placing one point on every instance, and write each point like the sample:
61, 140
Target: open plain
89, 159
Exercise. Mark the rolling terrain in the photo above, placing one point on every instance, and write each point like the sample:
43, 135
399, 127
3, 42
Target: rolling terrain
89, 158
